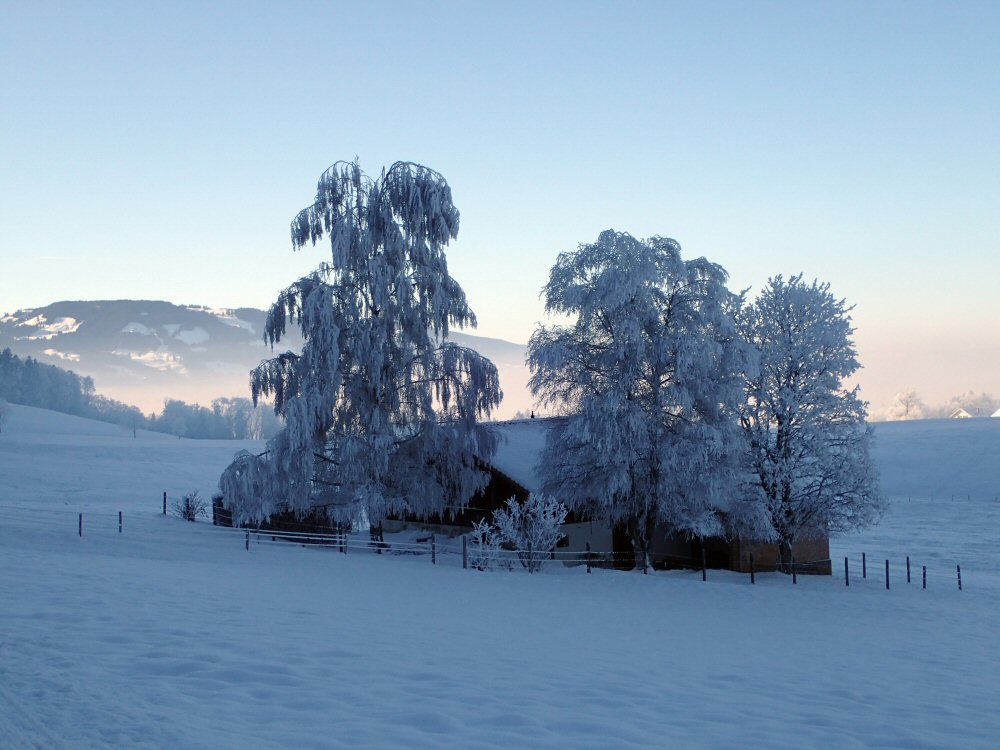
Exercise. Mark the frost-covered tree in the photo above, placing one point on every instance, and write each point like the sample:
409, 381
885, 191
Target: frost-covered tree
808, 439
908, 405
648, 375
533, 527
382, 413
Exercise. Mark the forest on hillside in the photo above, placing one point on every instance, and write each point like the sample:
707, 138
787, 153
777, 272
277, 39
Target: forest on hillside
32, 383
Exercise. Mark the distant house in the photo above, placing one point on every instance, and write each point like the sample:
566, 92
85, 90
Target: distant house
961, 414
513, 473
996, 413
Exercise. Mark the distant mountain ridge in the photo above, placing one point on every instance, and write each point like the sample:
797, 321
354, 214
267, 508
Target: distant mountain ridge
143, 351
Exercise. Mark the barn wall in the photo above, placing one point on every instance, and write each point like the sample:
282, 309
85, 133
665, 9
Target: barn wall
579, 533
811, 556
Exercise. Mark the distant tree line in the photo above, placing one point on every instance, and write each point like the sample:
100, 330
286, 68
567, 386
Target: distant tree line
227, 419
32, 383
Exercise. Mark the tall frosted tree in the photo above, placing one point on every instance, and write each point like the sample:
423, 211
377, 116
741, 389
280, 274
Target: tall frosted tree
382, 413
648, 375
808, 439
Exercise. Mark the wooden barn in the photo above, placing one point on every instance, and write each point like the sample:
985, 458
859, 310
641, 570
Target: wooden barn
513, 474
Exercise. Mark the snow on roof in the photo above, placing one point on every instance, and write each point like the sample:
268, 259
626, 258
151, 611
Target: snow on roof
521, 443
996, 413
960, 414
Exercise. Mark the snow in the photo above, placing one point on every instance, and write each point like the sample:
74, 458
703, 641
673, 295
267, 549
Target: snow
519, 449
158, 360
196, 335
137, 328
189, 336
226, 316
69, 356
55, 327
173, 635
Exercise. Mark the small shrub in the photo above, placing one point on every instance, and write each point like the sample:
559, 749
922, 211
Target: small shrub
191, 506
484, 546
532, 527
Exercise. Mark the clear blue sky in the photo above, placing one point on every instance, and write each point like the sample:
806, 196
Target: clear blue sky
159, 150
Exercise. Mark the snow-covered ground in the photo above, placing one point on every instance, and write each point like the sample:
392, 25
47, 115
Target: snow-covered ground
172, 634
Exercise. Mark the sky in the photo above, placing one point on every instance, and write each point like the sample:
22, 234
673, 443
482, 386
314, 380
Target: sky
159, 151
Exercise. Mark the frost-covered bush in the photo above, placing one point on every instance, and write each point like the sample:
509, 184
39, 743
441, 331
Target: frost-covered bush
532, 527
191, 506
484, 545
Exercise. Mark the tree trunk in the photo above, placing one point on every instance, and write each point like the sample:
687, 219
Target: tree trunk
785, 555
640, 532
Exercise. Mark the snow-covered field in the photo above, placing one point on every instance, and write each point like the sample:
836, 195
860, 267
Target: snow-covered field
172, 635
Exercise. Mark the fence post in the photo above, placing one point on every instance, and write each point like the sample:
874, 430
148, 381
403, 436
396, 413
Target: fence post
704, 572
465, 551
907, 568
588, 557
925, 576
886, 575
119, 522
794, 577
753, 577
434, 558
80, 526
164, 503
531, 559
248, 541
958, 568
864, 566
847, 573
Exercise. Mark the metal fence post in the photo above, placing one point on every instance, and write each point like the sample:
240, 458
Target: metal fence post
434, 549
588, 557
465, 552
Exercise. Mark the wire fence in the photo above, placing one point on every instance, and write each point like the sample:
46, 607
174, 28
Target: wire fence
858, 570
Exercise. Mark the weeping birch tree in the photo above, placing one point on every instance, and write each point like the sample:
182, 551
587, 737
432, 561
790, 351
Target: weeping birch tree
648, 374
382, 413
810, 446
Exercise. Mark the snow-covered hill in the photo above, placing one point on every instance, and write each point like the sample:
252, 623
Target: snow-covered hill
173, 634
142, 351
